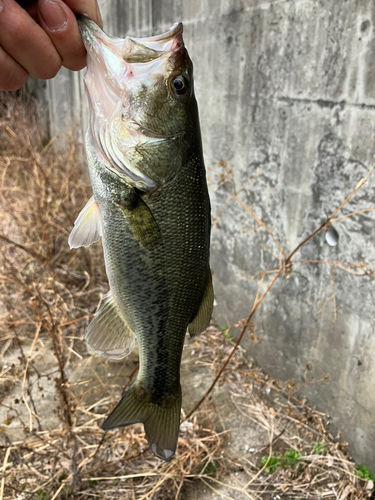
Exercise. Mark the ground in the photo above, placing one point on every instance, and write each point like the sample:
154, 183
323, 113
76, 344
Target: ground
223, 446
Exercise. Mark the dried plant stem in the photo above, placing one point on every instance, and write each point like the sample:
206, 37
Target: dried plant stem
57, 493
5, 463
127, 476
25, 375
333, 264
260, 222
255, 307
36, 255
265, 465
353, 213
214, 490
358, 186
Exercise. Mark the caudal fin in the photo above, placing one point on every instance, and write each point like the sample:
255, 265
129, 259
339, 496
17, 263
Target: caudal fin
161, 422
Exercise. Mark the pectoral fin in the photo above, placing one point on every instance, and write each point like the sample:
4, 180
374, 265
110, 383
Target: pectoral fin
140, 218
202, 319
88, 227
108, 333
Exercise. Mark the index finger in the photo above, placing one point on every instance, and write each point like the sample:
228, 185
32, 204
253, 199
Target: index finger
26, 42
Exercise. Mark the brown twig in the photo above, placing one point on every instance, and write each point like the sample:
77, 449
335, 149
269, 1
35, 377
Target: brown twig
353, 213
333, 264
260, 222
255, 307
358, 186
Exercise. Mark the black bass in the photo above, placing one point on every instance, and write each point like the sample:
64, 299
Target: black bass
151, 208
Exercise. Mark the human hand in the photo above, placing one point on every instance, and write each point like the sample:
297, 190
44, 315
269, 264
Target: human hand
37, 37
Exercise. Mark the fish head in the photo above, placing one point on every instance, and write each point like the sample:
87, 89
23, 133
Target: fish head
142, 103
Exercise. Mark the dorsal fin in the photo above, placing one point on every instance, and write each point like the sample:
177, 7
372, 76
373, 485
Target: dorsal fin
202, 319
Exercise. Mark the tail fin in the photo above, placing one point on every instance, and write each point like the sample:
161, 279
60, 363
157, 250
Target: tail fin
161, 422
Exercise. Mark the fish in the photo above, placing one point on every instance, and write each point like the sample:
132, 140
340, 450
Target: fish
151, 208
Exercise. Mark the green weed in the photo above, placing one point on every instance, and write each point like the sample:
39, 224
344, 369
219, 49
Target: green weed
364, 473
319, 449
289, 459
272, 463
293, 458
225, 331
208, 467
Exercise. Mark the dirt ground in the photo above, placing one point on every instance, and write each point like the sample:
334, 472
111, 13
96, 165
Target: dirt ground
246, 419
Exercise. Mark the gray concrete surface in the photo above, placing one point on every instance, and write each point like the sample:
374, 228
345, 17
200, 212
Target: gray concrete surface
286, 91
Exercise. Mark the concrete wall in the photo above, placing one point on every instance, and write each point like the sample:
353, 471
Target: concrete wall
286, 91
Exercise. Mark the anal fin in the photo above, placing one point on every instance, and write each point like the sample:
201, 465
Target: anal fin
108, 333
202, 319
87, 227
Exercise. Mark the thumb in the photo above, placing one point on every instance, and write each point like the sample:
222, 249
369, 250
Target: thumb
60, 24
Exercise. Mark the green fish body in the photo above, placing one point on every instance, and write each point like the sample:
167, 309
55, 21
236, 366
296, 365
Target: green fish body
151, 208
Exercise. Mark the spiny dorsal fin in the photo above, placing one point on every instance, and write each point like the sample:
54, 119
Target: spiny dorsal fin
88, 226
108, 333
202, 319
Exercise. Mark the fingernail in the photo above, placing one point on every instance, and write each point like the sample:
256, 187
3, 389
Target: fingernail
1, 5
53, 15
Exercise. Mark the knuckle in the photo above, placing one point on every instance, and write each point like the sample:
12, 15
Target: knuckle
12, 79
75, 65
50, 70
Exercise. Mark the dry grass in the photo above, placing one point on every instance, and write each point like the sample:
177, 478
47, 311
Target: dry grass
54, 394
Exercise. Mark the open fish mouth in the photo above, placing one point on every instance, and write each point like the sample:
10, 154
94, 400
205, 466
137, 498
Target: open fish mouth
132, 49
118, 71
106, 52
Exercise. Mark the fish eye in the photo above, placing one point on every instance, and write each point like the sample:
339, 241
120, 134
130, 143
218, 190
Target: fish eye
179, 85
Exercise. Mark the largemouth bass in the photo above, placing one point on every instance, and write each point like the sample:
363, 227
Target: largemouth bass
151, 207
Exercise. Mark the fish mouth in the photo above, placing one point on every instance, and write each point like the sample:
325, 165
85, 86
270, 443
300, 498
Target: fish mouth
85, 21
114, 65
112, 62
104, 52
90, 31
131, 49
151, 48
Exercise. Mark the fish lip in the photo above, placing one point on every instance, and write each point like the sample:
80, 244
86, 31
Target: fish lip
85, 22
174, 30
89, 30
87, 26
92, 33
